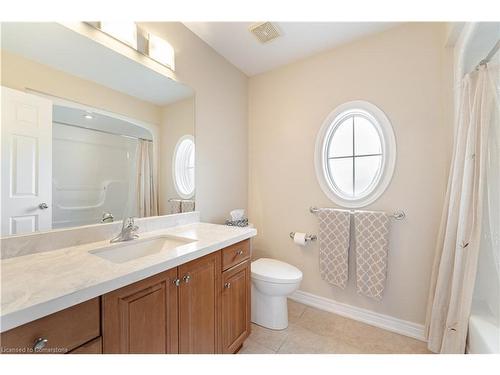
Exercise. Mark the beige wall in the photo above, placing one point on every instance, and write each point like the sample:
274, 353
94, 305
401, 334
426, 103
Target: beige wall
221, 121
405, 71
177, 121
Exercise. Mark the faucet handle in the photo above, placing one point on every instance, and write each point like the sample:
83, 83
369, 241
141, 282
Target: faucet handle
129, 222
132, 227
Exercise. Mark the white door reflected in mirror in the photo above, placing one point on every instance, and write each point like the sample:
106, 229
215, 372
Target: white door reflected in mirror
26, 163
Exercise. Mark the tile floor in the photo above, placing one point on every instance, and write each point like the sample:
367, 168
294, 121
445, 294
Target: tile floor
314, 331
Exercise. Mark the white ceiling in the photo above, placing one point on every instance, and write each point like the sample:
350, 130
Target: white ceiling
298, 40
52, 44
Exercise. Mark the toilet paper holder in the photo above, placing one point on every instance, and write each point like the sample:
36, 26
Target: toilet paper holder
309, 237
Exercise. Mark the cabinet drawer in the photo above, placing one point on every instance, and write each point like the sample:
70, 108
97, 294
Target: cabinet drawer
63, 330
235, 254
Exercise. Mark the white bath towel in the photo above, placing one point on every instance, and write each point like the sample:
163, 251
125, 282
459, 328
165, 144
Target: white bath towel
334, 233
372, 246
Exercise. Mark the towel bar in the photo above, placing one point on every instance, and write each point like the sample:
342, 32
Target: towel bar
397, 215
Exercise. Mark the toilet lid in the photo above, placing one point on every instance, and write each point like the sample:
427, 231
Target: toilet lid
274, 271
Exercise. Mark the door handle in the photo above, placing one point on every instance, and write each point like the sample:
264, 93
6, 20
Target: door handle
239, 252
186, 278
43, 206
227, 285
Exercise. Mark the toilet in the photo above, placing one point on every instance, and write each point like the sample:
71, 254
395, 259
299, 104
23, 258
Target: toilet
272, 282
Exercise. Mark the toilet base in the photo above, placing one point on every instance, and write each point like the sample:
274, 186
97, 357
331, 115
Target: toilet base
269, 311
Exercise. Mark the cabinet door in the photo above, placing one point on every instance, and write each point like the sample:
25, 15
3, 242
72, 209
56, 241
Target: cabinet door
199, 312
235, 306
142, 317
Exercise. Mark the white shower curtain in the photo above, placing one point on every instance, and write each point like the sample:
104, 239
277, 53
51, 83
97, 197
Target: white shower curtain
457, 250
147, 192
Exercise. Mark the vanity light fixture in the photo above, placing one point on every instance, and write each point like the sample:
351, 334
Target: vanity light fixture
150, 45
161, 51
125, 32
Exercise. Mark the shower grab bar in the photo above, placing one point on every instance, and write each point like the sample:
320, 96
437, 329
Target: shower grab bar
397, 215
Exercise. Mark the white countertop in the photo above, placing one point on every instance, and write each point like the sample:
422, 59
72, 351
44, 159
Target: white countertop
40, 284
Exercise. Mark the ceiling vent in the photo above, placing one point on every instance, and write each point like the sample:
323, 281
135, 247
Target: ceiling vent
265, 31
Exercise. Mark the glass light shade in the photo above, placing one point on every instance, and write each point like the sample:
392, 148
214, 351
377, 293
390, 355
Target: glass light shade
161, 51
125, 32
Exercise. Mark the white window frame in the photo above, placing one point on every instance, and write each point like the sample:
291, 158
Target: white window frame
388, 143
178, 189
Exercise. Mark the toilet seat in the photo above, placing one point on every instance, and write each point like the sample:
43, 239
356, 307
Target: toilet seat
274, 271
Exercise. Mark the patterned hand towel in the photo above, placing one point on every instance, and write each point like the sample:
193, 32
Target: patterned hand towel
372, 245
175, 206
187, 206
334, 232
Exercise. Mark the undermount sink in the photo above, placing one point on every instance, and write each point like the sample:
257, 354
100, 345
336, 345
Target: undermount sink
126, 251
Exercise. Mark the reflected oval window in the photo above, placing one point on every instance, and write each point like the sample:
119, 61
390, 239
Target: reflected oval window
355, 154
183, 167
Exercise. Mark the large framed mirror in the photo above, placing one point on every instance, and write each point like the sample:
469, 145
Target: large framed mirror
90, 134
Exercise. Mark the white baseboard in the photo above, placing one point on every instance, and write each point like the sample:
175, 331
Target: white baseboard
386, 322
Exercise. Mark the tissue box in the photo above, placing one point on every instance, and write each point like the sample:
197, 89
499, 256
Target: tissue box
238, 223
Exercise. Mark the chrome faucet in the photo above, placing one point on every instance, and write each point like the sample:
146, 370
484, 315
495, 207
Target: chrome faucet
107, 217
128, 231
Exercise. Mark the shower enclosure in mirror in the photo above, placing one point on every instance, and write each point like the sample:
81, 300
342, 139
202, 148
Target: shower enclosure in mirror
92, 131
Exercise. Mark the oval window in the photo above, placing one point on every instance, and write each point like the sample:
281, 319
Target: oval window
355, 154
183, 167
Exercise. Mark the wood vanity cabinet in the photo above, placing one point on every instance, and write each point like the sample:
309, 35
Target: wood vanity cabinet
202, 306
199, 305
235, 325
142, 317
92, 347
64, 331
235, 254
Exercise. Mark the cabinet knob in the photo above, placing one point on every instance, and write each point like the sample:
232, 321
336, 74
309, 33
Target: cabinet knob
227, 285
177, 282
39, 344
186, 278
43, 206
239, 252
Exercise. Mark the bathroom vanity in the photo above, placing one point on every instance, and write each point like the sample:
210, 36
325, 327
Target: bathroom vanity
190, 298
119, 144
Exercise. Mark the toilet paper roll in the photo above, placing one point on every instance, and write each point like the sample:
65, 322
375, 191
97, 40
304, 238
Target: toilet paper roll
299, 238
